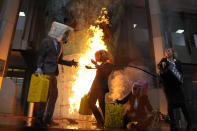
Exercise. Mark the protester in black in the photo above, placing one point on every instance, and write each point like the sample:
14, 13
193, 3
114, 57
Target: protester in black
172, 82
100, 84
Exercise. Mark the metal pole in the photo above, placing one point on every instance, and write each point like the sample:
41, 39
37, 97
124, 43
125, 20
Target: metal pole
30, 113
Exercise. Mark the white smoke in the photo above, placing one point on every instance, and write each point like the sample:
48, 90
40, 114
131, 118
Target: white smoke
121, 81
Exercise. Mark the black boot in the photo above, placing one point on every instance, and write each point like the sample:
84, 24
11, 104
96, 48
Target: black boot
189, 127
173, 127
38, 122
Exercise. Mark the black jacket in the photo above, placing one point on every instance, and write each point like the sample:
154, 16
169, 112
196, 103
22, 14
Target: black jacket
101, 79
48, 59
172, 87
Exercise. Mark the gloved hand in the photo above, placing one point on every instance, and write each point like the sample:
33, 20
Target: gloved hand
39, 70
116, 101
88, 67
74, 63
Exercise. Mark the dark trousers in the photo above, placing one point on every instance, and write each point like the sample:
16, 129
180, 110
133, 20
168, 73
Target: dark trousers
171, 107
97, 94
44, 111
126, 120
143, 122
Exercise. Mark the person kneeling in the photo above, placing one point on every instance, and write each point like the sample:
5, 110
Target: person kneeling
137, 116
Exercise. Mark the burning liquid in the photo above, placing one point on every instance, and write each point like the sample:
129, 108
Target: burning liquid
85, 77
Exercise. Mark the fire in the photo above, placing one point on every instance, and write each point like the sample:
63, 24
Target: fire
85, 77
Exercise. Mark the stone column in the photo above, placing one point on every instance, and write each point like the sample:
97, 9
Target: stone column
8, 24
158, 48
155, 16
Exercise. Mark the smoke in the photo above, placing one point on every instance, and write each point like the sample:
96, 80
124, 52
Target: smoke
85, 12
121, 81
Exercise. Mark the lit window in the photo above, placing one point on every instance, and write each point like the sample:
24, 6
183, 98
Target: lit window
21, 13
180, 31
134, 25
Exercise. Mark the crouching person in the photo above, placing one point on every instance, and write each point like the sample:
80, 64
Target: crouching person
100, 85
137, 115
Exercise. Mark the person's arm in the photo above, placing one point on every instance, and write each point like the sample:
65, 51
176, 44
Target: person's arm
124, 100
95, 63
65, 62
162, 66
42, 54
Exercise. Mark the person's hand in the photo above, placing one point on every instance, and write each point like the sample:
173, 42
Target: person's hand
94, 62
74, 63
39, 70
88, 67
163, 64
116, 101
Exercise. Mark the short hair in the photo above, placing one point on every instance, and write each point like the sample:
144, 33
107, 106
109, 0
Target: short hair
103, 56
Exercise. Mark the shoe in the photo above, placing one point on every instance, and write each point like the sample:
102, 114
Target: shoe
39, 124
174, 129
52, 123
189, 129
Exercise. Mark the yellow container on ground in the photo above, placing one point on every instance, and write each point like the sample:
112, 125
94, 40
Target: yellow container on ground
114, 115
84, 106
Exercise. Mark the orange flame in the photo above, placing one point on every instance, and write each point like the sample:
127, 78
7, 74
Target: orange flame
85, 77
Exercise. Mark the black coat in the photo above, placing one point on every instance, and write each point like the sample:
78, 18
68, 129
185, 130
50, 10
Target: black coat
172, 87
48, 59
101, 79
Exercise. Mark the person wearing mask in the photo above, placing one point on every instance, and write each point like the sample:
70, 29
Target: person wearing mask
50, 55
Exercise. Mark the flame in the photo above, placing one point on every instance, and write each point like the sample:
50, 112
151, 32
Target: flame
103, 18
85, 77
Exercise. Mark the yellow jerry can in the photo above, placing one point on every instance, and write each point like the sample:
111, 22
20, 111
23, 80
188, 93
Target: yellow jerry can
114, 115
39, 86
84, 106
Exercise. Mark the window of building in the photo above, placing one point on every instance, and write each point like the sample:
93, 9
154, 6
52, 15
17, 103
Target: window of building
179, 21
177, 39
173, 26
18, 43
195, 40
